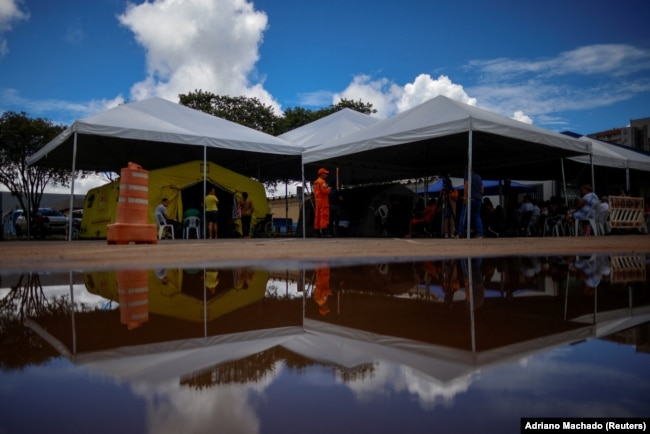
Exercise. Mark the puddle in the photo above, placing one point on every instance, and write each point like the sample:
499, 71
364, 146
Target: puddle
452, 345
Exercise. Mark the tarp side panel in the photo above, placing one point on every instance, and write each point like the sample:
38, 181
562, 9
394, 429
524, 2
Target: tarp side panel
100, 206
170, 182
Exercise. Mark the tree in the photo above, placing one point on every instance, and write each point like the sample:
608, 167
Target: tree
360, 106
243, 110
21, 346
298, 116
20, 137
295, 117
252, 113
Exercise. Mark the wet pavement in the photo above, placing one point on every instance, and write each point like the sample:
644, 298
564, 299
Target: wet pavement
322, 335
22, 255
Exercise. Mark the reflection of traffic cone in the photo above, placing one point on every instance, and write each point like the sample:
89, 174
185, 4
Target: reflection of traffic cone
131, 223
133, 291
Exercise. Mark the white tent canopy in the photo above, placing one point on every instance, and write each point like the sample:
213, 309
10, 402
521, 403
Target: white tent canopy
334, 126
157, 133
609, 155
438, 136
613, 164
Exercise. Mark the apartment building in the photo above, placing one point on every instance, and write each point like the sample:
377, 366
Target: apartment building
636, 136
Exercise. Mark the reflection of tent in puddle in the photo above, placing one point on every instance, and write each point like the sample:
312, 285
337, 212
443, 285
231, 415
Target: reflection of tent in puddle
328, 344
440, 345
606, 323
182, 293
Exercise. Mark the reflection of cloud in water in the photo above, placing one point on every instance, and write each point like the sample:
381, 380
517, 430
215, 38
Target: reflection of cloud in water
388, 377
81, 295
173, 408
281, 289
562, 385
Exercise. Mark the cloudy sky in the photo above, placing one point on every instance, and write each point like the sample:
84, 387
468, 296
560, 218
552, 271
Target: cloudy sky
579, 65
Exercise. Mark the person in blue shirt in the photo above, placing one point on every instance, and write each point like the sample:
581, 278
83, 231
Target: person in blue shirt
476, 200
584, 204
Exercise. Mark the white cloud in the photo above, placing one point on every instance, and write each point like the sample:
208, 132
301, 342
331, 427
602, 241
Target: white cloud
525, 89
544, 100
389, 98
531, 86
381, 93
10, 13
317, 98
521, 117
43, 108
424, 88
213, 47
610, 59
605, 59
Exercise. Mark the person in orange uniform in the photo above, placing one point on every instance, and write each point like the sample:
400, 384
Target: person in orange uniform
322, 289
321, 195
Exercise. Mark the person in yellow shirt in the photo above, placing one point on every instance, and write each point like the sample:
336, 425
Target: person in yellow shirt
211, 280
211, 204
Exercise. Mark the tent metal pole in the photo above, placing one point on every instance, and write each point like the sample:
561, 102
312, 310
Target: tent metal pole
72, 317
205, 180
470, 288
596, 305
627, 176
72, 177
566, 199
468, 207
205, 306
593, 177
566, 297
425, 183
302, 200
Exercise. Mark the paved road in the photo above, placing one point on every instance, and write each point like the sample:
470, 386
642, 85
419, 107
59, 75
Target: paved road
281, 253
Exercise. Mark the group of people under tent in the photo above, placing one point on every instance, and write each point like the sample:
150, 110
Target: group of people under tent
439, 217
444, 216
245, 209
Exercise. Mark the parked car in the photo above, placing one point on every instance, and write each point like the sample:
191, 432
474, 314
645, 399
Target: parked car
77, 216
47, 221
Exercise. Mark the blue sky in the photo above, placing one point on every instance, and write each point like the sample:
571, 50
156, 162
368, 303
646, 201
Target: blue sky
579, 65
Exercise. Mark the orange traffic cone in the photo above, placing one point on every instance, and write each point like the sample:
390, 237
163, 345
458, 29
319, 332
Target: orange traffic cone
131, 223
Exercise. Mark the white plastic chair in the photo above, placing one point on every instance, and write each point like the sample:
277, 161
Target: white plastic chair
590, 218
531, 229
382, 212
163, 226
554, 225
191, 223
602, 220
